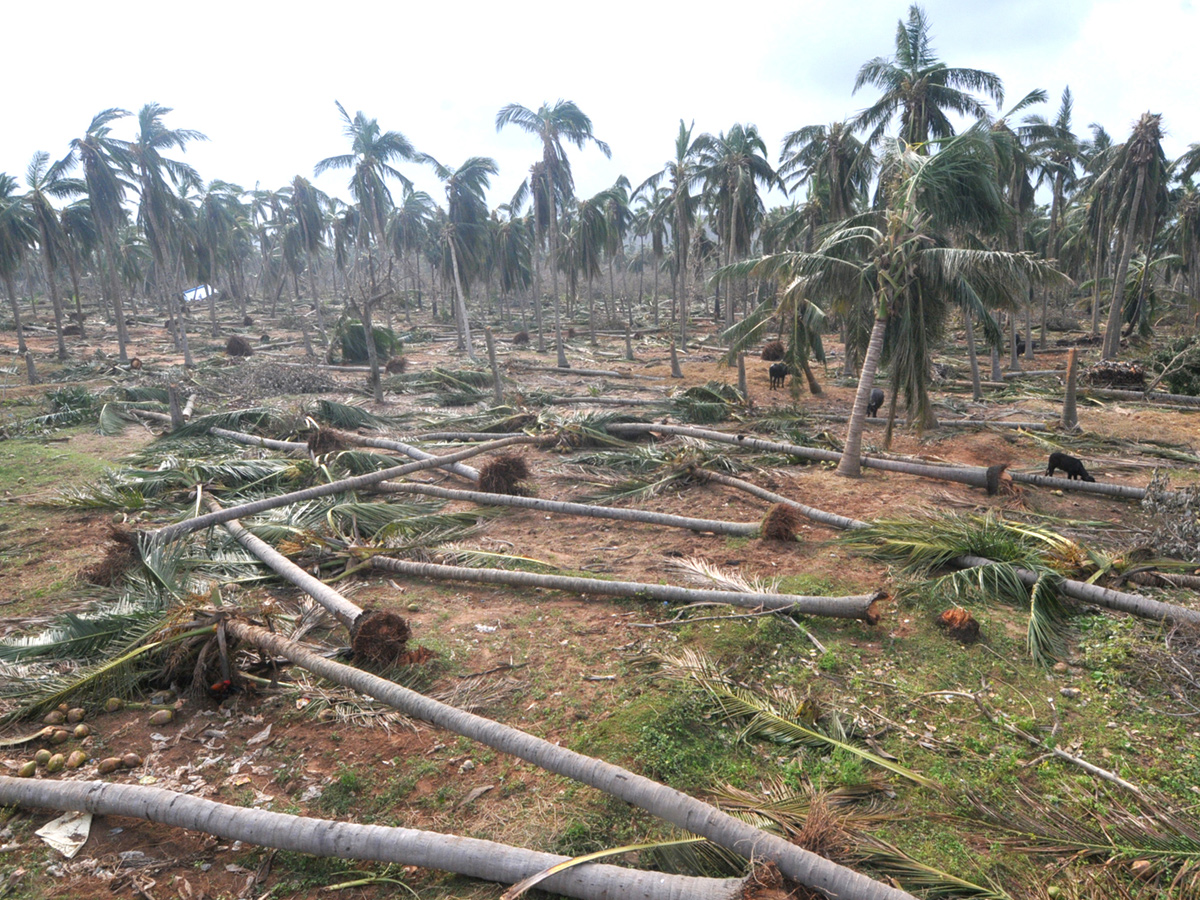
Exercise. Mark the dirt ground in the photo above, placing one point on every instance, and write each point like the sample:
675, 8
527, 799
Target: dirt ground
542, 661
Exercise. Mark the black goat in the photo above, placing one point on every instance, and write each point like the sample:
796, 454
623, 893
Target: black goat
1069, 464
875, 402
779, 374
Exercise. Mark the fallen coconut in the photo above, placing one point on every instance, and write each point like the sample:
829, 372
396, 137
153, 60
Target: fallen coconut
109, 765
76, 715
113, 704
42, 757
60, 736
27, 770
131, 760
54, 717
56, 763
81, 731
162, 717
76, 759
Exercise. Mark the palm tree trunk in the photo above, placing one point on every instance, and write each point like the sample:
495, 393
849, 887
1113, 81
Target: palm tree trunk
672, 806
171, 532
464, 326
73, 269
850, 465
587, 510
52, 287
537, 298
856, 607
1112, 329
562, 354
976, 390
312, 280
112, 285
368, 324
16, 311
474, 858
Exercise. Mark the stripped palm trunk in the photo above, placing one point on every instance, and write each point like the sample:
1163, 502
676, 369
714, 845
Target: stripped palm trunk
850, 465
829, 878
486, 860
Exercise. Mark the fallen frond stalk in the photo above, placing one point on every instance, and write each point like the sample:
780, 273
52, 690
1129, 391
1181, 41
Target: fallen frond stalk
855, 607
679, 809
716, 526
486, 860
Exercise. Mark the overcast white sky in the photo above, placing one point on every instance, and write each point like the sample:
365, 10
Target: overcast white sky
260, 78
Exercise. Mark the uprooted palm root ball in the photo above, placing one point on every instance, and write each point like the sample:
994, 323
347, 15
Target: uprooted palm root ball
238, 346
502, 474
324, 440
780, 523
380, 638
396, 365
960, 625
773, 351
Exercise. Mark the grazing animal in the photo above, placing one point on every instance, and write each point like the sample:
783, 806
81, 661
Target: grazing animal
779, 374
875, 402
1069, 464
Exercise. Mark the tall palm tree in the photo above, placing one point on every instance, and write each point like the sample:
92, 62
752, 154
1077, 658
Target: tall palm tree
158, 208
47, 182
901, 263
370, 159
308, 216
833, 161
588, 238
618, 220
552, 185
17, 234
512, 249
80, 241
408, 231
1137, 181
920, 88
106, 165
465, 231
735, 166
676, 208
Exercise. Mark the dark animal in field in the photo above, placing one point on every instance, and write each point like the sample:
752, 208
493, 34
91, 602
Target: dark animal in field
779, 374
1021, 347
875, 402
1069, 464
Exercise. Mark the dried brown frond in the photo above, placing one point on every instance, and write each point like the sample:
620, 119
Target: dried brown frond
324, 440
822, 832
502, 474
119, 557
380, 638
780, 523
521, 338
765, 882
773, 351
396, 365
238, 346
960, 625
417, 657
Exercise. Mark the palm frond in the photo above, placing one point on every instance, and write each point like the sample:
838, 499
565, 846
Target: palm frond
724, 579
348, 416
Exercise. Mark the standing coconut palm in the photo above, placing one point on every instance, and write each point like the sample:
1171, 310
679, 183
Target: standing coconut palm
552, 184
370, 161
835, 163
1137, 181
465, 231
734, 165
158, 208
920, 88
512, 247
408, 230
307, 212
46, 181
17, 234
106, 164
904, 267
618, 219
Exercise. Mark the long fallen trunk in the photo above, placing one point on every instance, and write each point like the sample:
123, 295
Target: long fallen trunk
688, 813
976, 476
474, 858
1120, 601
170, 532
716, 526
1153, 396
341, 608
861, 606
467, 472
240, 437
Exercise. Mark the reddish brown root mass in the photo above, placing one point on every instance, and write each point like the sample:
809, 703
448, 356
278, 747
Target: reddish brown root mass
238, 346
380, 638
397, 365
773, 351
767, 883
960, 625
323, 440
780, 523
521, 337
502, 474
119, 558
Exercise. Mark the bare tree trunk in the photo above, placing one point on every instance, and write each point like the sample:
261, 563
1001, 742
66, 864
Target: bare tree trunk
1112, 329
464, 326
52, 287
474, 858
850, 465
1070, 418
976, 390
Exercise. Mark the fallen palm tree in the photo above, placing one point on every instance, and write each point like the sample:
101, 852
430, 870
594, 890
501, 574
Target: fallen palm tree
692, 815
486, 860
645, 517
976, 476
863, 606
467, 472
1118, 601
171, 532
239, 437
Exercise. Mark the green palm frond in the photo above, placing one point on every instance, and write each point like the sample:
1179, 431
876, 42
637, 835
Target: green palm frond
362, 462
348, 416
706, 403
764, 719
111, 491
139, 393
81, 637
232, 420
1048, 622
913, 875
